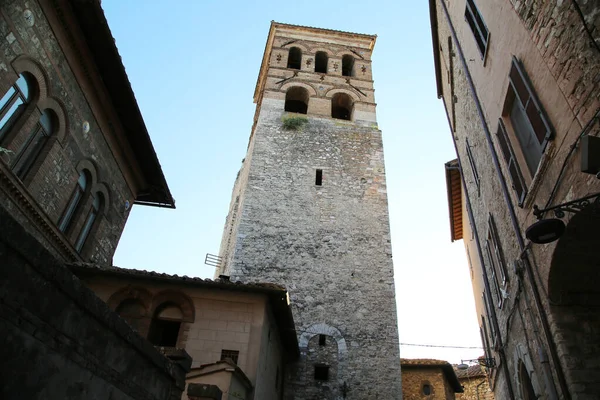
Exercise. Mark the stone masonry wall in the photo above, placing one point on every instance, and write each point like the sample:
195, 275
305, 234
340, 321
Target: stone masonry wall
563, 68
413, 380
53, 182
61, 342
329, 245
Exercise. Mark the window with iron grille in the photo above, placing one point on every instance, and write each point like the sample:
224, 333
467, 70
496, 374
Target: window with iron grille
477, 25
230, 354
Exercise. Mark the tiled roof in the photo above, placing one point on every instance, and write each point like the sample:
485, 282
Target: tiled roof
322, 29
471, 372
217, 283
445, 366
423, 361
454, 188
277, 294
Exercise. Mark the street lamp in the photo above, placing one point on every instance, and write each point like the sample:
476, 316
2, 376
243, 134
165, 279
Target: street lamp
549, 230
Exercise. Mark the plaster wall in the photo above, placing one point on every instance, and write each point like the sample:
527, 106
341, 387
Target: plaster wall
562, 66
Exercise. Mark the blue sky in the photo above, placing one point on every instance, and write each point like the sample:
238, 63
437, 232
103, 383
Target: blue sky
193, 66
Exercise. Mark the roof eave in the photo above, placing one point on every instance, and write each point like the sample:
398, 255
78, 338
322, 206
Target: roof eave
436, 46
100, 41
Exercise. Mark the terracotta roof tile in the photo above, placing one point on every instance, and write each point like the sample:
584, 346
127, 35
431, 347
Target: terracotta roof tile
471, 372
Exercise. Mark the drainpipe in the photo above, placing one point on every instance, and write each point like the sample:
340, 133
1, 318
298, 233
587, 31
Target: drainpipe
477, 388
513, 217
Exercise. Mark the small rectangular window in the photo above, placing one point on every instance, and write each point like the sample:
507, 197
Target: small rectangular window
477, 25
322, 340
232, 355
321, 372
319, 177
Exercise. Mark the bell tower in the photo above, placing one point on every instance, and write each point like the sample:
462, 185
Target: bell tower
309, 211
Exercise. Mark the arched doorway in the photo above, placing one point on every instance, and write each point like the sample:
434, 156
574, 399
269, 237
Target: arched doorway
574, 295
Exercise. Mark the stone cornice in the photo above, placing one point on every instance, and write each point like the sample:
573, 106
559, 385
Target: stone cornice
19, 195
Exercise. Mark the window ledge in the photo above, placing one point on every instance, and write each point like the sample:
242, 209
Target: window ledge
536, 182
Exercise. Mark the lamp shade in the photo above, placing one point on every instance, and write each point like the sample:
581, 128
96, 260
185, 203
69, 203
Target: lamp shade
545, 231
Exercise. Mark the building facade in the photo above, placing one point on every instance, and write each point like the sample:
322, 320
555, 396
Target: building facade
309, 211
429, 379
475, 383
240, 337
74, 156
520, 86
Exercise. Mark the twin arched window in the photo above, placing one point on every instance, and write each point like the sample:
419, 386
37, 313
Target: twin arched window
341, 106
13, 103
26, 144
34, 144
297, 98
74, 210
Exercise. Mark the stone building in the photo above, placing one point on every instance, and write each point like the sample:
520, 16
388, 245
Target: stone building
474, 382
429, 379
520, 85
74, 156
309, 211
240, 337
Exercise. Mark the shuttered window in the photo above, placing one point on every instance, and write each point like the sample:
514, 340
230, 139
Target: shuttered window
514, 171
473, 166
496, 260
489, 328
532, 127
477, 25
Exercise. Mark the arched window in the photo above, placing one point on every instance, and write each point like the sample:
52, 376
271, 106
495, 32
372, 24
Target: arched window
341, 106
34, 144
132, 311
321, 62
296, 100
14, 101
294, 58
165, 326
89, 221
527, 391
347, 65
67, 218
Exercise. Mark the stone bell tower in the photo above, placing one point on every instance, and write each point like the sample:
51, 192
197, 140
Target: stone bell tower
309, 211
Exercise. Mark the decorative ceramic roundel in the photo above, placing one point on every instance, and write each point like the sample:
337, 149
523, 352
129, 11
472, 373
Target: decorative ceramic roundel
86, 127
29, 17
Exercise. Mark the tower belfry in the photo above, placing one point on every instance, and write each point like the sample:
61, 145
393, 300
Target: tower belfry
309, 211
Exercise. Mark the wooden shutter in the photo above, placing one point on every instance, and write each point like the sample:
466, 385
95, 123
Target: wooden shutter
518, 183
526, 95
